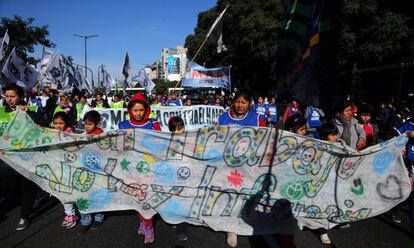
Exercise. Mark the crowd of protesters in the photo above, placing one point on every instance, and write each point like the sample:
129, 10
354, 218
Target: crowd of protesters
355, 125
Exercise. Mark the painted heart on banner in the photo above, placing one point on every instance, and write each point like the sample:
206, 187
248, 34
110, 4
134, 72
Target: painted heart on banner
391, 189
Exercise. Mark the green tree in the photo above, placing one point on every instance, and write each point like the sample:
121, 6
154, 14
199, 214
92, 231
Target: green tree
250, 33
375, 32
24, 36
161, 87
372, 32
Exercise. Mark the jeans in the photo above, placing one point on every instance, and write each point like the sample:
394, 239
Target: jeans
11, 181
86, 219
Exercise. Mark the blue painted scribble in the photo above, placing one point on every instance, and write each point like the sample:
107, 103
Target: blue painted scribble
26, 156
383, 161
99, 199
213, 156
172, 209
401, 141
164, 172
159, 146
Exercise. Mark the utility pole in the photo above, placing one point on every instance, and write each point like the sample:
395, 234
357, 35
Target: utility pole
86, 37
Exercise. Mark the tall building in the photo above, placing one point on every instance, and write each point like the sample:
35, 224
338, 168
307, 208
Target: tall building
172, 63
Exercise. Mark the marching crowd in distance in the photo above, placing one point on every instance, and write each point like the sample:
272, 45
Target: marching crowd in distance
355, 125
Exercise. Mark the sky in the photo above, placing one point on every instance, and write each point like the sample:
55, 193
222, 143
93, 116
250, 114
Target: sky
141, 27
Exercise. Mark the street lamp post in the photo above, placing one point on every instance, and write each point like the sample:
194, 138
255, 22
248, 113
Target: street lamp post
86, 37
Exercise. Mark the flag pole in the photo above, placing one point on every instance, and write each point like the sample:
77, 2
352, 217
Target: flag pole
205, 40
192, 60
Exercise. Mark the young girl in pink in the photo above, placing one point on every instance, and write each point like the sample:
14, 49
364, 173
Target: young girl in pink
61, 122
139, 111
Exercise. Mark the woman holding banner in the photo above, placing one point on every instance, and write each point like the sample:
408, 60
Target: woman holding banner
9, 179
349, 129
240, 115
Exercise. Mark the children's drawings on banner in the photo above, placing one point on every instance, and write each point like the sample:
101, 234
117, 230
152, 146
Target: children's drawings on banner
247, 180
194, 117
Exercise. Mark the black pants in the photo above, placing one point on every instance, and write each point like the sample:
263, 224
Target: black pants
12, 182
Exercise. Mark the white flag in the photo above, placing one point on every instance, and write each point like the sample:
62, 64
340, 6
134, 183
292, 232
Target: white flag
47, 58
82, 83
4, 44
217, 35
145, 81
107, 80
57, 73
17, 71
126, 68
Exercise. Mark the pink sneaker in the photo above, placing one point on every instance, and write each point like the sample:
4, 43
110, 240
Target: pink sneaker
69, 221
141, 229
149, 235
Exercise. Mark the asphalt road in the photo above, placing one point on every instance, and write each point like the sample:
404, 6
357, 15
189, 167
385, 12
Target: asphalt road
119, 230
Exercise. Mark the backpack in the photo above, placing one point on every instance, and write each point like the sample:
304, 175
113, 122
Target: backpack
314, 118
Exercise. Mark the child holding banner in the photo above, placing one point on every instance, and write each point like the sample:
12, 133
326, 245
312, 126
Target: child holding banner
328, 132
61, 122
240, 115
65, 107
91, 121
139, 111
176, 125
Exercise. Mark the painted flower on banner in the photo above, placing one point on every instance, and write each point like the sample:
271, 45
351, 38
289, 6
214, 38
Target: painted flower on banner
82, 204
235, 178
91, 161
383, 161
99, 199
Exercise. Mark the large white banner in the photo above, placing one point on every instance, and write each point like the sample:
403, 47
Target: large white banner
196, 116
239, 179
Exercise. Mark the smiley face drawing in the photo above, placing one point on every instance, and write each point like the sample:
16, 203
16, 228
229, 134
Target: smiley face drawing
70, 157
183, 173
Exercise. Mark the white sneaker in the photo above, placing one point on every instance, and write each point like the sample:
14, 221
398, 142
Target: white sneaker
231, 239
325, 239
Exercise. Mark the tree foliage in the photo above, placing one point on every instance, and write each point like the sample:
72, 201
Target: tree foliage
250, 33
24, 36
372, 32
375, 32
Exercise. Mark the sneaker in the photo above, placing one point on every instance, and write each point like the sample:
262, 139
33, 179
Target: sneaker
396, 218
141, 229
97, 224
325, 239
82, 230
149, 235
231, 239
23, 224
69, 221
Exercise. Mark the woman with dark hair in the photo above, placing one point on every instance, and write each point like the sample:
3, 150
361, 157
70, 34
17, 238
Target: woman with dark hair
349, 129
9, 179
240, 115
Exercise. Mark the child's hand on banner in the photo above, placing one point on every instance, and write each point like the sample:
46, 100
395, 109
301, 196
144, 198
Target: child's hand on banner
22, 108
